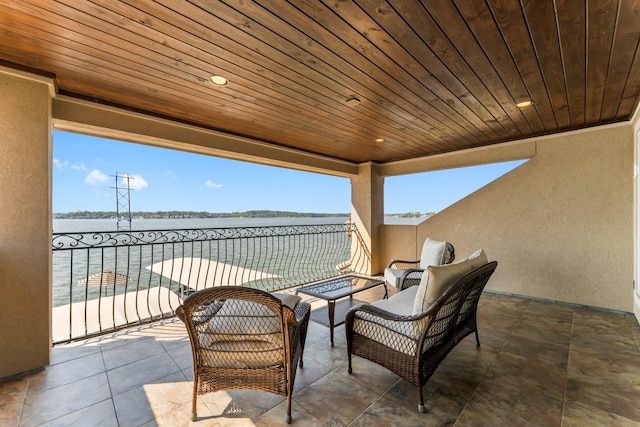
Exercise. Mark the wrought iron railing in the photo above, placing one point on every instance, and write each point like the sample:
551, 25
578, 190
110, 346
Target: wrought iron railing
104, 281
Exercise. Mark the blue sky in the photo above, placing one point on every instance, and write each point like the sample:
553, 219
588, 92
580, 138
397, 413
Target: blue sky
163, 180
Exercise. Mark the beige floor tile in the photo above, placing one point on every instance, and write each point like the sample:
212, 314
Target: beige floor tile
133, 351
276, 417
335, 399
231, 406
579, 415
64, 400
180, 352
383, 414
67, 352
66, 372
551, 354
507, 401
12, 396
141, 372
142, 404
101, 414
181, 417
601, 394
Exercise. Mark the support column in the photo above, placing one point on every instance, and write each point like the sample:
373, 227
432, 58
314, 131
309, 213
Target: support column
367, 210
25, 222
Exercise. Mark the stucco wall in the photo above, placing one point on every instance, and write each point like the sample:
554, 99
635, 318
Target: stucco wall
399, 242
25, 224
560, 226
367, 198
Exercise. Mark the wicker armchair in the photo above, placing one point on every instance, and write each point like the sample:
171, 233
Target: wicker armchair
243, 338
403, 274
412, 346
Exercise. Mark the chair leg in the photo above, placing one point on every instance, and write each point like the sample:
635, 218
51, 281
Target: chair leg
194, 412
477, 339
421, 401
194, 400
288, 418
303, 340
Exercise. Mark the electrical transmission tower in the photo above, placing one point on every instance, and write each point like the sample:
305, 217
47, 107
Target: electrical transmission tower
123, 202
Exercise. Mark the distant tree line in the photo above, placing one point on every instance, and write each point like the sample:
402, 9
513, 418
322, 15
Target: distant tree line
192, 214
414, 215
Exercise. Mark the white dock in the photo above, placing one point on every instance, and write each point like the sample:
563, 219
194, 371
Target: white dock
109, 312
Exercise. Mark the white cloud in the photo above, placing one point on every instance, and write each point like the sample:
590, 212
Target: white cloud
96, 177
64, 165
211, 184
60, 165
81, 167
136, 182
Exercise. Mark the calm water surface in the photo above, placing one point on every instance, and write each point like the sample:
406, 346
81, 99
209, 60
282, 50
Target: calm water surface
89, 225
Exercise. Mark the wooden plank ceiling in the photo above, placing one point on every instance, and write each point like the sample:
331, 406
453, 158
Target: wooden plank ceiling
430, 77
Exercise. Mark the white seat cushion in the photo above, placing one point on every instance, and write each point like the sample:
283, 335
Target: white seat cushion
392, 276
401, 336
402, 305
221, 353
405, 297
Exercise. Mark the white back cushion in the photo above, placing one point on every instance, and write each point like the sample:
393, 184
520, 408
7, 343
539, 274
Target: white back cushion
432, 253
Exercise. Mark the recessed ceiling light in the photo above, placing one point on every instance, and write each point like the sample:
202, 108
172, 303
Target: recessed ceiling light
379, 140
219, 80
524, 102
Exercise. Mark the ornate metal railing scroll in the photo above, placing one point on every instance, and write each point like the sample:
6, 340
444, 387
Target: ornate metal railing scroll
104, 281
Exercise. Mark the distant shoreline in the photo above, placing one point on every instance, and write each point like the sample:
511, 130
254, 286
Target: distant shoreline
192, 214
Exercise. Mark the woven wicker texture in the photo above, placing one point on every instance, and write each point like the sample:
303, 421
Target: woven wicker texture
244, 338
413, 346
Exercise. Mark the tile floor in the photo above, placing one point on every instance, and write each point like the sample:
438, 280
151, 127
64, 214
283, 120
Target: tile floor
540, 364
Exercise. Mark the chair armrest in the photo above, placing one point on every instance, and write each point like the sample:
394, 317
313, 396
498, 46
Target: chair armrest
384, 314
400, 332
180, 313
400, 264
300, 315
410, 277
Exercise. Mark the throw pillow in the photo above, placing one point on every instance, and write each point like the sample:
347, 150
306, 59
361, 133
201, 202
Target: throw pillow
477, 259
432, 253
435, 281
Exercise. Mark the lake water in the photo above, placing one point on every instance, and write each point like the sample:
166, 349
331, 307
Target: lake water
70, 266
89, 225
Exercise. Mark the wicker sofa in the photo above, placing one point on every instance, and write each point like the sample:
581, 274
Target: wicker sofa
408, 333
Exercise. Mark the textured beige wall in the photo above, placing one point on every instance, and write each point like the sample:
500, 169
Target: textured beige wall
560, 226
25, 224
399, 242
367, 208
635, 122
